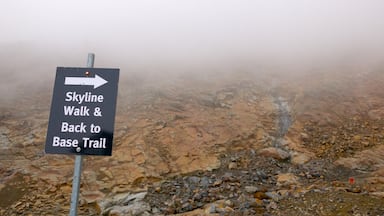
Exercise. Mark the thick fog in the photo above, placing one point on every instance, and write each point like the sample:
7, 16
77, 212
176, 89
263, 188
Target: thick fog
152, 36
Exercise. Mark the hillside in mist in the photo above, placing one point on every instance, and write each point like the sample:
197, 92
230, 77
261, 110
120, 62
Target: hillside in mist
211, 142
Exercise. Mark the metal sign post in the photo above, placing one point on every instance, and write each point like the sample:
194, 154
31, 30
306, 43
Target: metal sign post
82, 116
76, 185
78, 162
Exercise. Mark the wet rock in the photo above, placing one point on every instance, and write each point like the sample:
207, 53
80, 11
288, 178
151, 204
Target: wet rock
5, 142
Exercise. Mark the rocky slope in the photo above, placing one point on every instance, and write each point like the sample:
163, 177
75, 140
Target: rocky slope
238, 144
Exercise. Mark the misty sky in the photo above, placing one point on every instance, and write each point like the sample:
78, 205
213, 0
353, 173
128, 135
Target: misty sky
196, 31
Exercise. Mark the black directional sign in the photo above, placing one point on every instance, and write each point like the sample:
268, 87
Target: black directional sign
83, 111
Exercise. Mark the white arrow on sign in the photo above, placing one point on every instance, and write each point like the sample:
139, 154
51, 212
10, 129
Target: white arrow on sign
93, 81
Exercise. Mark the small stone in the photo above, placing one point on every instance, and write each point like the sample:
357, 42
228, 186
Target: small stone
260, 195
187, 206
286, 179
232, 165
228, 203
228, 209
37, 203
378, 194
227, 176
276, 153
217, 182
273, 195
258, 202
354, 189
272, 205
204, 182
52, 189
194, 180
92, 196
304, 136
155, 211
299, 158
211, 209
357, 138
251, 189
262, 174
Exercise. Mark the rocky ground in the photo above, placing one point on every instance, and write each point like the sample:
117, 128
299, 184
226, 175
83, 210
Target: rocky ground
238, 144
